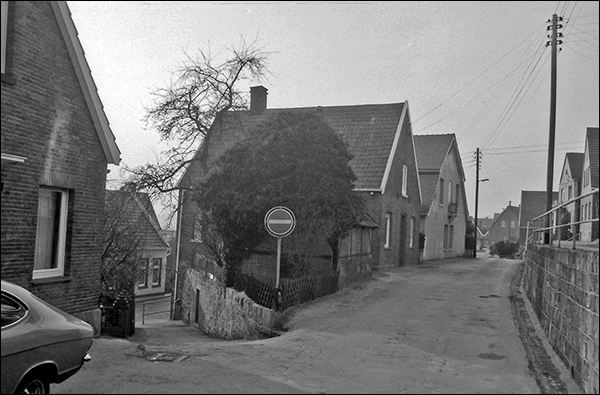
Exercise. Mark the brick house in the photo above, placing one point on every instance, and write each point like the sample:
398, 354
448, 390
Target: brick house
444, 211
589, 181
380, 138
505, 227
56, 146
140, 217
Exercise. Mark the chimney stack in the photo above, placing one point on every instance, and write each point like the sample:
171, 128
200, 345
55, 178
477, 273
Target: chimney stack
258, 98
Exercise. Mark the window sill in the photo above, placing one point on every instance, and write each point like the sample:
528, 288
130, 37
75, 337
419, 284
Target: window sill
51, 280
9, 79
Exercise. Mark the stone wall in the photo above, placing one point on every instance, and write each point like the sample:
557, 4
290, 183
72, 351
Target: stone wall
223, 312
562, 286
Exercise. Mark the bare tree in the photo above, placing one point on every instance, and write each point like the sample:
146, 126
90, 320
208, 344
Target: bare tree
122, 243
184, 112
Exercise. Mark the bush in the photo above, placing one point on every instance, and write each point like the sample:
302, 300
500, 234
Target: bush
505, 249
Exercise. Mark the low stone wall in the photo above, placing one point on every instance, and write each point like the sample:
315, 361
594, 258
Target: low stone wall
223, 312
562, 286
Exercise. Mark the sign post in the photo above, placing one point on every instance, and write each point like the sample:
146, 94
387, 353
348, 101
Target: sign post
280, 222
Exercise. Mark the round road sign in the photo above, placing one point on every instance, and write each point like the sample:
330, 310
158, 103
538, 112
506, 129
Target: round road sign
280, 221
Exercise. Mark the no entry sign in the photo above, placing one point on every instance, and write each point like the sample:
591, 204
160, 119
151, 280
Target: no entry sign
280, 221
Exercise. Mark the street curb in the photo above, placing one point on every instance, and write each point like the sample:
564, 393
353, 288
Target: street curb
546, 374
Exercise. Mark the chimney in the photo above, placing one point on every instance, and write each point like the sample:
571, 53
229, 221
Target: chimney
258, 98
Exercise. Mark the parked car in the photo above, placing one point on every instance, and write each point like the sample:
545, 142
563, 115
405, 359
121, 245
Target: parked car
40, 343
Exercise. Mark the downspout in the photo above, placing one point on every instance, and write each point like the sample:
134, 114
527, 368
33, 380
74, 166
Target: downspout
175, 290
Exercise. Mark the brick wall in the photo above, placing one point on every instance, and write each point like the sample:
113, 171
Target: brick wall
45, 119
562, 286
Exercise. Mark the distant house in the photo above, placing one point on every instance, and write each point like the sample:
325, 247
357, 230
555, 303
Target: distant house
56, 147
569, 187
444, 212
380, 138
483, 226
505, 227
141, 218
533, 204
589, 205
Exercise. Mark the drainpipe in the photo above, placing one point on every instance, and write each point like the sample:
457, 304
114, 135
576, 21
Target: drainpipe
179, 205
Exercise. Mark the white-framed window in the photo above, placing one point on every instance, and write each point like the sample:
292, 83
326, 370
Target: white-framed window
450, 190
441, 191
388, 230
156, 271
503, 224
451, 237
51, 233
404, 179
512, 224
411, 233
143, 273
3, 32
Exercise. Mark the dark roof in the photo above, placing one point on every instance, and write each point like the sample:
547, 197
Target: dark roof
593, 140
533, 203
369, 130
431, 150
575, 161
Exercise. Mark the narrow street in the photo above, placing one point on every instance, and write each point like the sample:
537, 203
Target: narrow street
440, 327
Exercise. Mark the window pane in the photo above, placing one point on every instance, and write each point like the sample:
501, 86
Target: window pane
156, 271
48, 249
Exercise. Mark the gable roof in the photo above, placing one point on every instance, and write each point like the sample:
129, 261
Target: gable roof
371, 131
88, 86
514, 210
140, 212
533, 204
431, 151
592, 142
575, 162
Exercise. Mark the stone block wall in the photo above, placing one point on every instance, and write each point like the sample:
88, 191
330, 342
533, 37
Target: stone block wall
562, 286
223, 312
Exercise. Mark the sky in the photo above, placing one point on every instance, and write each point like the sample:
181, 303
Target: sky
480, 70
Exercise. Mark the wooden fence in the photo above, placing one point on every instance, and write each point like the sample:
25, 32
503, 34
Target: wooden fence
293, 291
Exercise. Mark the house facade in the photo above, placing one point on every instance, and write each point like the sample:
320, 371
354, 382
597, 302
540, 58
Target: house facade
56, 147
589, 181
444, 212
380, 139
139, 217
569, 187
505, 227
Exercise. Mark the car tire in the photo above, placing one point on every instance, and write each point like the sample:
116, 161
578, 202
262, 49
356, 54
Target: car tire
33, 384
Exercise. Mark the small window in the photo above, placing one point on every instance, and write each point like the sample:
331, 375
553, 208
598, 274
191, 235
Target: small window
450, 189
451, 237
156, 271
404, 179
441, 191
445, 237
51, 233
388, 229
512, 224
143, 273
12, 310
503, 224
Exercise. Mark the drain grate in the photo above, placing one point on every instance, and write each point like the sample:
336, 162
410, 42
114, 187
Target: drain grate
166, 357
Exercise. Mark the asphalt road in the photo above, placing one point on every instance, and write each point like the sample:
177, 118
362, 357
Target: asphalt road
453, 326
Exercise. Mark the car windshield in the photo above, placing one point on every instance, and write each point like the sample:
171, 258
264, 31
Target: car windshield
12, 310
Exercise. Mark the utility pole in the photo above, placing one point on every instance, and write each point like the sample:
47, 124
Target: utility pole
550, 171
477, 157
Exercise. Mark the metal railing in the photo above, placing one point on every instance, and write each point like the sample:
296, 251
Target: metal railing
170, 311
546, 228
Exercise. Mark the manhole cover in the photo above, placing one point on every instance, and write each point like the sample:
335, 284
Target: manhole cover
491, 356
166, 357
